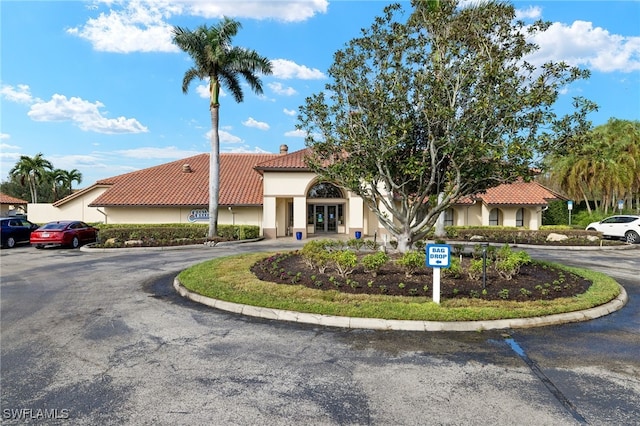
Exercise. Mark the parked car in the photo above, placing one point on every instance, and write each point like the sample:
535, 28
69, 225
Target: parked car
15, 230
626, 227
70, 233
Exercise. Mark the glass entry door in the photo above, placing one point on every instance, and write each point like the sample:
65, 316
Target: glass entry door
326, 218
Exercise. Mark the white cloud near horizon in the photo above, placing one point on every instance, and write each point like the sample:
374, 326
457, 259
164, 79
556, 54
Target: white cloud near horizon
148, 152
279, 89
582, 44
251, 122
296, 134
286, 69
84, 114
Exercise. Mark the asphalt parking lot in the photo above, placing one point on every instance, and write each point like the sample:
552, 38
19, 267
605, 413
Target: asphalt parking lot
103, 338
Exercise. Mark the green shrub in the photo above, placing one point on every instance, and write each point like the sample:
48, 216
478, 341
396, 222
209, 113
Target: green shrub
315, 254
455, 269
508, 263
345, 261
356, 243
475, 269
374, 261
411, 261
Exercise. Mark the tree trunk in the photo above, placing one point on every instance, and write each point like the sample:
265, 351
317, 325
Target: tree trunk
214, 173
440, 232
404, 241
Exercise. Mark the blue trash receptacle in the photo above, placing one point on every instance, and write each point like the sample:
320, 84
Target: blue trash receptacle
298, 235
358, 235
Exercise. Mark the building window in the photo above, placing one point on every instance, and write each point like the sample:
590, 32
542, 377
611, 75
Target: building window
325, 190
495, 217
448, 217
520, 217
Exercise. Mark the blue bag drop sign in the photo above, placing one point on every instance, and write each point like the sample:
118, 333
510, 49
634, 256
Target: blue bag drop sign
438, 255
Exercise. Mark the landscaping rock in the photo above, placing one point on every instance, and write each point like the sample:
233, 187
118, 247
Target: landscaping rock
553, 237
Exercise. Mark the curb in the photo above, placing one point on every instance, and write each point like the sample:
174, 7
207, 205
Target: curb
404, 325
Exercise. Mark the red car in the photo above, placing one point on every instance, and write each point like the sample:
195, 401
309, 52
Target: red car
70, 233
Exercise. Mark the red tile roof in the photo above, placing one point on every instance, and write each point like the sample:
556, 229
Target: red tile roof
291, 162
169, 185
241, 184
516, 193
8, 199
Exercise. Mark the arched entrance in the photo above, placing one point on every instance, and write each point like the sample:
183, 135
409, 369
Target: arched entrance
325, 208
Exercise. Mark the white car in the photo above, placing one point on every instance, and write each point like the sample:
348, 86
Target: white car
623, 226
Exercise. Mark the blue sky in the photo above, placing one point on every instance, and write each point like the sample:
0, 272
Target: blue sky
96, 85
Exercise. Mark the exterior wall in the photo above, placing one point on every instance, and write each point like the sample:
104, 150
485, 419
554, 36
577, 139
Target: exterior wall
75, 209
12, 210
159, 215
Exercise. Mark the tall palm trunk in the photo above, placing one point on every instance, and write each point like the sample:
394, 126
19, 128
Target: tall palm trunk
214, 171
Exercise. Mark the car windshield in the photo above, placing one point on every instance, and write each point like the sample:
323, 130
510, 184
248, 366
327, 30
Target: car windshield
54, 226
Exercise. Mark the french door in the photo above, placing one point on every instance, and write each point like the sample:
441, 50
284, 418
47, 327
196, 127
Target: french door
325, 218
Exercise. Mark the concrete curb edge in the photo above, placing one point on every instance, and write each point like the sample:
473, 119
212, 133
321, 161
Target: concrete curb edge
404, 325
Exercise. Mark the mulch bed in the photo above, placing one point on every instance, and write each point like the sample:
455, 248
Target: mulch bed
534, 282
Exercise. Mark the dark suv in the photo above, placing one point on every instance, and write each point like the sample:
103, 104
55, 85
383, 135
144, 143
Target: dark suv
15, 230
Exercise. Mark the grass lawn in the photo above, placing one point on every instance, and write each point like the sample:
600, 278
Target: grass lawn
230, 279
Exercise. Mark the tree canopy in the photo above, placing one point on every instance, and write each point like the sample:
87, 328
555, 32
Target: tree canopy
35, 176
438, 101
603, 168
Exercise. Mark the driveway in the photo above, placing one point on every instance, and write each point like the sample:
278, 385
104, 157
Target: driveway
102, 338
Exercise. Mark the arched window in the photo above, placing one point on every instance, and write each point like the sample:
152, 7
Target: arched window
520, 217
495, 217
324, 190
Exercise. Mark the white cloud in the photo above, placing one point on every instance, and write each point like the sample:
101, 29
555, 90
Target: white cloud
225, 137
287, 11
84, 114
296, 134
279, 89
139, 27
149, 152
4, 136
286, 69
20, 94
532, 12
246, 150
251, 122
289, 112
203, 90
581, 44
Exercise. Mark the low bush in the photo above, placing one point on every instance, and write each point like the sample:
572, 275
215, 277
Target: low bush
170, 234
374, 261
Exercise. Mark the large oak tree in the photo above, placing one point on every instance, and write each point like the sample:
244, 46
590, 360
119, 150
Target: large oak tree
436, 104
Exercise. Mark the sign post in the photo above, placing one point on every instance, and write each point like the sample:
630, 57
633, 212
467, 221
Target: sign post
437, 256
620, 205
570, 207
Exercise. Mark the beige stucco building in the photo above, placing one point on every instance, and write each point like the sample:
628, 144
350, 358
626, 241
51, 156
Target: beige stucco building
276, 192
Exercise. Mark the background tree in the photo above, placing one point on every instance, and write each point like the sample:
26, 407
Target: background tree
217, 60
442, 103
62, 180
29, 171
603, 168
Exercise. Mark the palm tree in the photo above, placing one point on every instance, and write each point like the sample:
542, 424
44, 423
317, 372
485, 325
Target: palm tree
63, 179
55, 178
216, 59
70, 176
29, 171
